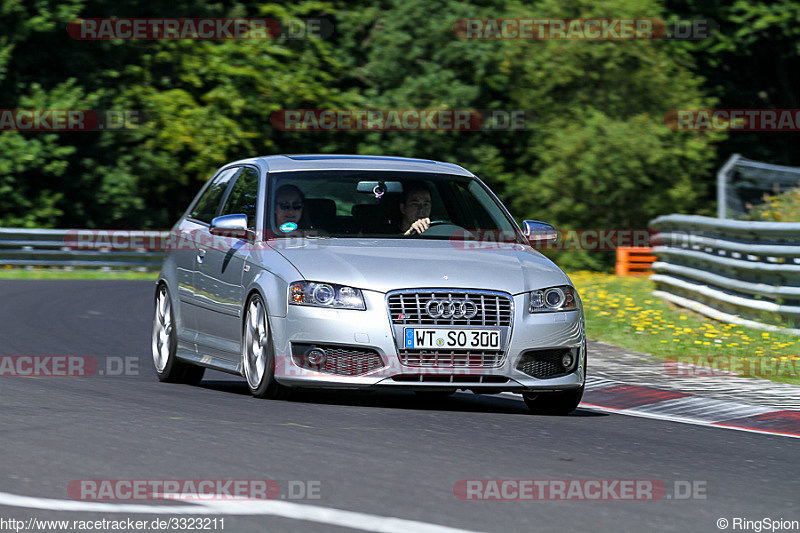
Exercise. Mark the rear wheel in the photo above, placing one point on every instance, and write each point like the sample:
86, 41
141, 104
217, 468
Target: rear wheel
553, 403
258, 359
165, 344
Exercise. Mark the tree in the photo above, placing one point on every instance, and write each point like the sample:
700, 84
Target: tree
751, 62
596, 154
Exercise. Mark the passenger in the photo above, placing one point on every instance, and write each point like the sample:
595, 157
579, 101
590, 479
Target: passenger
289, 214
415, 207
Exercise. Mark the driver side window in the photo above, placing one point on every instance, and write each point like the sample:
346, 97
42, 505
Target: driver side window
208, 204
243, 197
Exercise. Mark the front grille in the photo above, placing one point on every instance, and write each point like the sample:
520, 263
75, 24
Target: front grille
339, 360
451, 358
547, 363
408, 307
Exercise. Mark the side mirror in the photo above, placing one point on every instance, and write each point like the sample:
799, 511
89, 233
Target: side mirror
231, 226
539, 232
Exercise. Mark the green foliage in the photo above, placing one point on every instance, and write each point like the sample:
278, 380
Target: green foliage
203, 103
783, 207
597, 154
601, 156
752, 62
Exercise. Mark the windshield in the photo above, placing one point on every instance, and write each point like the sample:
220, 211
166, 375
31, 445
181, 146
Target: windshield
384, 205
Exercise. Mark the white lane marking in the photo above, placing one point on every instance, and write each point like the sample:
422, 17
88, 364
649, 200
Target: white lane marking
694, 422
670, 418
704, 409
294, 511
595, 383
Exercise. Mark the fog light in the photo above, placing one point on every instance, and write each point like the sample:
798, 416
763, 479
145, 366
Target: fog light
315, 356
566, 361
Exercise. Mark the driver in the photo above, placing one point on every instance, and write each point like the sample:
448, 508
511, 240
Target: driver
415, 207
289, 214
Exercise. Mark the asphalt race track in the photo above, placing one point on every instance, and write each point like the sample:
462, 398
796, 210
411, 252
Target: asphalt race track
377, 455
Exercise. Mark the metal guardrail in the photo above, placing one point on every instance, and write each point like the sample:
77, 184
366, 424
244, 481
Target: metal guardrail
738, 271
82, 248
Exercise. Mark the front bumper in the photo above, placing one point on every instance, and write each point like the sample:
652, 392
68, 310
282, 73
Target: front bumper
371, 330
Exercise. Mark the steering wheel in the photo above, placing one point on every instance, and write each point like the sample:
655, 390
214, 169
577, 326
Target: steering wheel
439, 223
433, 223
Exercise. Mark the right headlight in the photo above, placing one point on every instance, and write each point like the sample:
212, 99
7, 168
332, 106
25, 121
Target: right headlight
562, 298
325, 295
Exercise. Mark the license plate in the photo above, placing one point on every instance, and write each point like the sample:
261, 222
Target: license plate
436, 338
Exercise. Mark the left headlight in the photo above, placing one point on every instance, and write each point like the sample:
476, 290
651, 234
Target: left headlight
563, 298
325, 295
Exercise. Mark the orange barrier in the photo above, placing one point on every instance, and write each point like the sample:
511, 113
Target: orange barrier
634, 260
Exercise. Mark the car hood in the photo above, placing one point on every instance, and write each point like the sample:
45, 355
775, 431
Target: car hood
387, 264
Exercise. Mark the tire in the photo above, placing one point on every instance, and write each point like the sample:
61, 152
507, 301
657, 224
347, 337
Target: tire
258, 358
164, 345
553, 403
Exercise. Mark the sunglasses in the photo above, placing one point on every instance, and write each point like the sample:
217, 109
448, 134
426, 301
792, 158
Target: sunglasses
297, 206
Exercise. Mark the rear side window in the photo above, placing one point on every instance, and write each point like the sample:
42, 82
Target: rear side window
243, 196
206, 208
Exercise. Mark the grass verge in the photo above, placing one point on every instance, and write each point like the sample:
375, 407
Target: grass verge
622, 311
51, 273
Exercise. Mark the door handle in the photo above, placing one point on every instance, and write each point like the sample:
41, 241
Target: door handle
201, 255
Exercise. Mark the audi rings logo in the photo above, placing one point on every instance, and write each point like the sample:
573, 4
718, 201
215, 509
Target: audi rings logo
451, 308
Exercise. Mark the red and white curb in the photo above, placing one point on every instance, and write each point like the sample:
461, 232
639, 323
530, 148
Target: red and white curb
676, 406
650, 402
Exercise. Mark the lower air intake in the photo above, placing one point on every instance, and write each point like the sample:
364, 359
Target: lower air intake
338, 360
543, 364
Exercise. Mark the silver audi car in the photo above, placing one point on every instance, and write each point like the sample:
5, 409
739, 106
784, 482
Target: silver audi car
368, 272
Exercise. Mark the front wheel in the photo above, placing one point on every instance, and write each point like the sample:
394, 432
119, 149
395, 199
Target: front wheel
258, 359
165, 343
553, 403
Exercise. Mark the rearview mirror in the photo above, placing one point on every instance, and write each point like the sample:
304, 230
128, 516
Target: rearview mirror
380, 187
538, 232
231, 226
